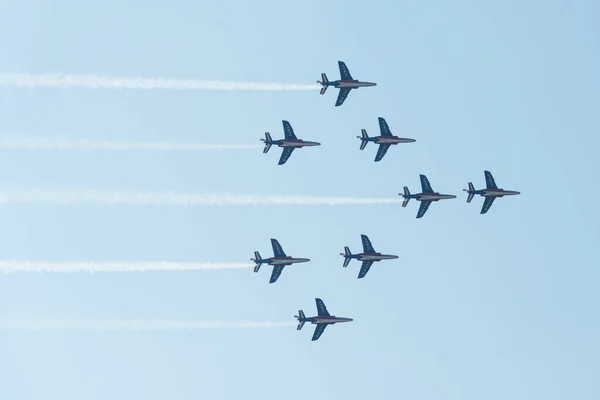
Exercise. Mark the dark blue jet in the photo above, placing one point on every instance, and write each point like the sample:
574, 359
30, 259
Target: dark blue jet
288, 144
384, 141
368, 257
278, 261
490, 192
345, 84
321, 320
426, 197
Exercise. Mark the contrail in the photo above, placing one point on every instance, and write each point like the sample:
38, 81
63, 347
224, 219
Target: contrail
68, 144
135, 325
75, 197
45, 266
61, 81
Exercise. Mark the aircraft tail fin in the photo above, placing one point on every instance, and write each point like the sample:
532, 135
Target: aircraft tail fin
364, 139
346, 255
300, 318
258, 260
470, 191
268, 140
323, 82
406, 196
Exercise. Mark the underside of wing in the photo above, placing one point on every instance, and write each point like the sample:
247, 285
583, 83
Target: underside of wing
425, 186
277, 249
489, 180
285, 154
277, 270
487, 203
319, 329
423, 208
288, 131
321, 309
383, 148
367, 246
342, 96
366, 265
344, 71
384, 128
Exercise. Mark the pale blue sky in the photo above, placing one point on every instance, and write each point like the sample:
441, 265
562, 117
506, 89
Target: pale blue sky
498, 306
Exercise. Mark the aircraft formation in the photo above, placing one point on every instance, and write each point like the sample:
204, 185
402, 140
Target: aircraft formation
369, 256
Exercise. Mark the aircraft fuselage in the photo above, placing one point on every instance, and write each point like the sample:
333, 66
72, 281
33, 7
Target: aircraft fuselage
326, 320
375, 257
296, 143
353, 84
432, 196
498, 192
391, 140
286, 260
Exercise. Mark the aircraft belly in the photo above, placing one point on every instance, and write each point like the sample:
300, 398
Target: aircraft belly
281, 262
387, 141
371, 258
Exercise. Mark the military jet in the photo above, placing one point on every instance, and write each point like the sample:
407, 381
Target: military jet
278, 261
368, 257
490, 192
345, 84
322, 320
384, 141
426, 197
288, 144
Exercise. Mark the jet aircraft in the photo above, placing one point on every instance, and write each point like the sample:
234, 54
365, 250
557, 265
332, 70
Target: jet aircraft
368, 257
322, 320
345, 84
490, 192
426, 197
288, 144
278, 261
384, 141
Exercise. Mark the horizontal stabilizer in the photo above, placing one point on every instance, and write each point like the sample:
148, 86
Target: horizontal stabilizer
268, 142
347, 255
300, 318
324, 89
257, 259
470, 190
363, 137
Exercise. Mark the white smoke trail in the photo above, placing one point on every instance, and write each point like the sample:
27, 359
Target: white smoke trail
61, 81
68, 144
45, 266
139, 325
75, 197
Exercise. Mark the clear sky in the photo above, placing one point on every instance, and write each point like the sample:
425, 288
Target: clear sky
497, 306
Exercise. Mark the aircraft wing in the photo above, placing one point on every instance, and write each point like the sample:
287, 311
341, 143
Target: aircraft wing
366, 265
321, 309
319, 329
342, 96
344, 72
277, 270
487, 204
383, 148
489, 180
384, 128
425, 186
277, 249
288, 131
423, 208
367, 246
285, 154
